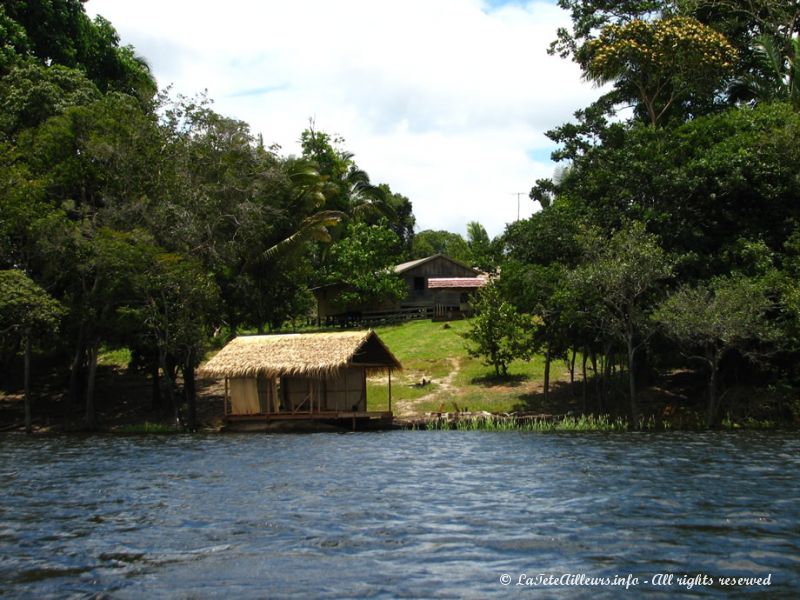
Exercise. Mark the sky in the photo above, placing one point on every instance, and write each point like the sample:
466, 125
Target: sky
447, 101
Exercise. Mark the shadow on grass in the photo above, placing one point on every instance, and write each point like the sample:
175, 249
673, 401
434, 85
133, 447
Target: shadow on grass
500, 380
673, 388
563, 397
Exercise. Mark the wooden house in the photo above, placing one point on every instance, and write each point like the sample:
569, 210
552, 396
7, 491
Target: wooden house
310, 378
436, 287
452, 295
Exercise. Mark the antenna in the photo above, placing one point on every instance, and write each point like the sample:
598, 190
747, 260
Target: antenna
517, 194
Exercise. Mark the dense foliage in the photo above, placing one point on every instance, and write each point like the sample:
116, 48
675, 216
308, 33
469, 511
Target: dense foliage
669, 239
133, 219
672, 233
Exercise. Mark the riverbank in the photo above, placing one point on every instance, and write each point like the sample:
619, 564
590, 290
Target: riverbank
440, 384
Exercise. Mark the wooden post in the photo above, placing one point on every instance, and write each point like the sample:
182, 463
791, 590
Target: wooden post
225, 399
390, 390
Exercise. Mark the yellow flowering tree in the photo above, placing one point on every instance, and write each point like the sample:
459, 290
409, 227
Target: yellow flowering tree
662, 62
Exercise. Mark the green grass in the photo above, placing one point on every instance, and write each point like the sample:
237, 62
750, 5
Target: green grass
425, 339
471, 400
114, 357
474, 372
378, 393
431, 350
425, 347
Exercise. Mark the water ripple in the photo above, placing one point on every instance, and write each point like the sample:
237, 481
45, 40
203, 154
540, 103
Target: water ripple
395, 514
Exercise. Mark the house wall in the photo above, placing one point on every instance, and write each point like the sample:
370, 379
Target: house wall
437, 267
452, 303
418, 295
326, 305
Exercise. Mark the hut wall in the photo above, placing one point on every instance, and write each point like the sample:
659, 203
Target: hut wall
345, 390
251, 396
243, 393
300, 394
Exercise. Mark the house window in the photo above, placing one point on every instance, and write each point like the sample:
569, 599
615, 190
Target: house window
464, 298
419, 284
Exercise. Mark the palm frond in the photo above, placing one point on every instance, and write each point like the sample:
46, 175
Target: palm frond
312, 227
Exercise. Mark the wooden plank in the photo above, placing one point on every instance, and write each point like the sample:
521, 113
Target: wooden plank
329, 415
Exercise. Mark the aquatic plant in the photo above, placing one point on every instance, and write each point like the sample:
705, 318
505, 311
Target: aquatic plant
146, 427
748, 423
582, 423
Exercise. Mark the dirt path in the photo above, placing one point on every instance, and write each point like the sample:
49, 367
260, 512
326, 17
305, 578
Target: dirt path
408, 408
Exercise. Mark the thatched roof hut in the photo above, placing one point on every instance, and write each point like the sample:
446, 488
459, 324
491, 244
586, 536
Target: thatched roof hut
302, 354
312, 375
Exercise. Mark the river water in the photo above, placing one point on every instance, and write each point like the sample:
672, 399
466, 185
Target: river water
400, 514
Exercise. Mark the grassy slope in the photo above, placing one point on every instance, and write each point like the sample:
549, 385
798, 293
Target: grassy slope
433, 351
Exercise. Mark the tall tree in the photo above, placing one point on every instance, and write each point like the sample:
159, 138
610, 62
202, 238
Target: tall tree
482, 253
715, 319
29, 313
30, 94
362, 261
176, 305
60, 32
540, 251
626, 270
661, 63
498, 333
429, 241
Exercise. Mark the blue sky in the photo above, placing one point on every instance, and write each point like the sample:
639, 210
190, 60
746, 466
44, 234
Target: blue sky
447, 101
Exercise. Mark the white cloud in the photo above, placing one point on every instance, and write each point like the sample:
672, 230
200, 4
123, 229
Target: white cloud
445, 100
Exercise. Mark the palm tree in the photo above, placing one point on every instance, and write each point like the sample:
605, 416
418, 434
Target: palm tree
309, 198
364, 200
779, 76
313, 227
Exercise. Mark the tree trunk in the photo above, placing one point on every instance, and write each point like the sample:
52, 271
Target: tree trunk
76, 374
712, 410
605, 367
572, 371
190, 390
156, 385
547, 373
27, 383
585, 383
595, 378
168, 375
632, 382
91, 416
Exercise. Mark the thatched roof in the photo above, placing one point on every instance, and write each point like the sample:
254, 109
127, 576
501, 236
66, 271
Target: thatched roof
306, 354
